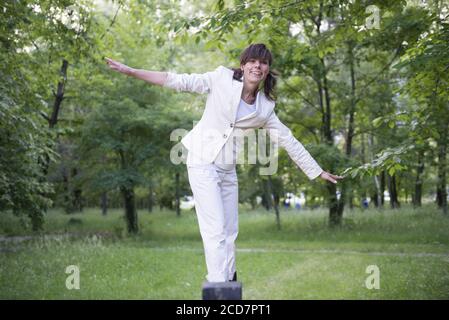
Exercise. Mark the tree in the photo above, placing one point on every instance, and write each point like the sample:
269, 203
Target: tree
33, 33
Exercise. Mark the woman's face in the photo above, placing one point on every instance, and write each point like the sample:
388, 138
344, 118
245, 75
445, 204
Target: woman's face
255, 70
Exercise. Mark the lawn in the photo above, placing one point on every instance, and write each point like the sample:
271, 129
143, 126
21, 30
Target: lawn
303, 260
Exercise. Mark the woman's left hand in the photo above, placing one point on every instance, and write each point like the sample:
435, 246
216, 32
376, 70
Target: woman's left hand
117, 66
330, 177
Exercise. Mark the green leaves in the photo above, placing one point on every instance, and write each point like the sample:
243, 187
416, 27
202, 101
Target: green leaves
23, 147
389, 159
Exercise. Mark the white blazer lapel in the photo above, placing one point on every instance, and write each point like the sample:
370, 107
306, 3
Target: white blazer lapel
237, 87
256, 112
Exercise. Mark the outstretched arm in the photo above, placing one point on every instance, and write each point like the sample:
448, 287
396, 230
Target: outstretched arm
153, 77
199, 83
296, 150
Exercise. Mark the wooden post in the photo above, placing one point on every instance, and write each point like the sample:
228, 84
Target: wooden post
230, 290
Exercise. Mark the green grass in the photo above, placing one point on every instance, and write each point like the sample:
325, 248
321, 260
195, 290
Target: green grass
303, 260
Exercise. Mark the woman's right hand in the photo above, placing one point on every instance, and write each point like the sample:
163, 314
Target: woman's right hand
120, 67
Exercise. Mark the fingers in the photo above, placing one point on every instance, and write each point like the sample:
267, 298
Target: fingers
114, 65
335, 176
111, 62
117, 66
331, 177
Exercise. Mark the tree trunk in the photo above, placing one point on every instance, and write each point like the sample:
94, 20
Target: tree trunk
150, 198
394, 202
272, 194
346, 191
324, 99
59, 95
104, 203
334, 217
379, 192
129, 198
266, 197
363, 158
45, 162
65, 179
419, 181
130, 209
77, 202
375, 197
382, 188
177, 202
378, 196
441, 183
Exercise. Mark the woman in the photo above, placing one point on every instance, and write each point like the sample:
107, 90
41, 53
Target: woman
237, 99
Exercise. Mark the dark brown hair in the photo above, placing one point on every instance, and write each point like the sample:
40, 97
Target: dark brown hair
261, 52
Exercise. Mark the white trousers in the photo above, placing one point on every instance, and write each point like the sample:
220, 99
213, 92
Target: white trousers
215, 193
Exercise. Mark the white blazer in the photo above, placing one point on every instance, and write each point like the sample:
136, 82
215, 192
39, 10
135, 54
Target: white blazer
212, 132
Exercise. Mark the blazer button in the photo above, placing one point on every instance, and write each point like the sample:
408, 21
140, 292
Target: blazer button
231, 125
225, 136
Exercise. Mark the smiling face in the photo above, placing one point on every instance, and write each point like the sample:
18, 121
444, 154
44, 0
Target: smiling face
255, 70
255, 66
